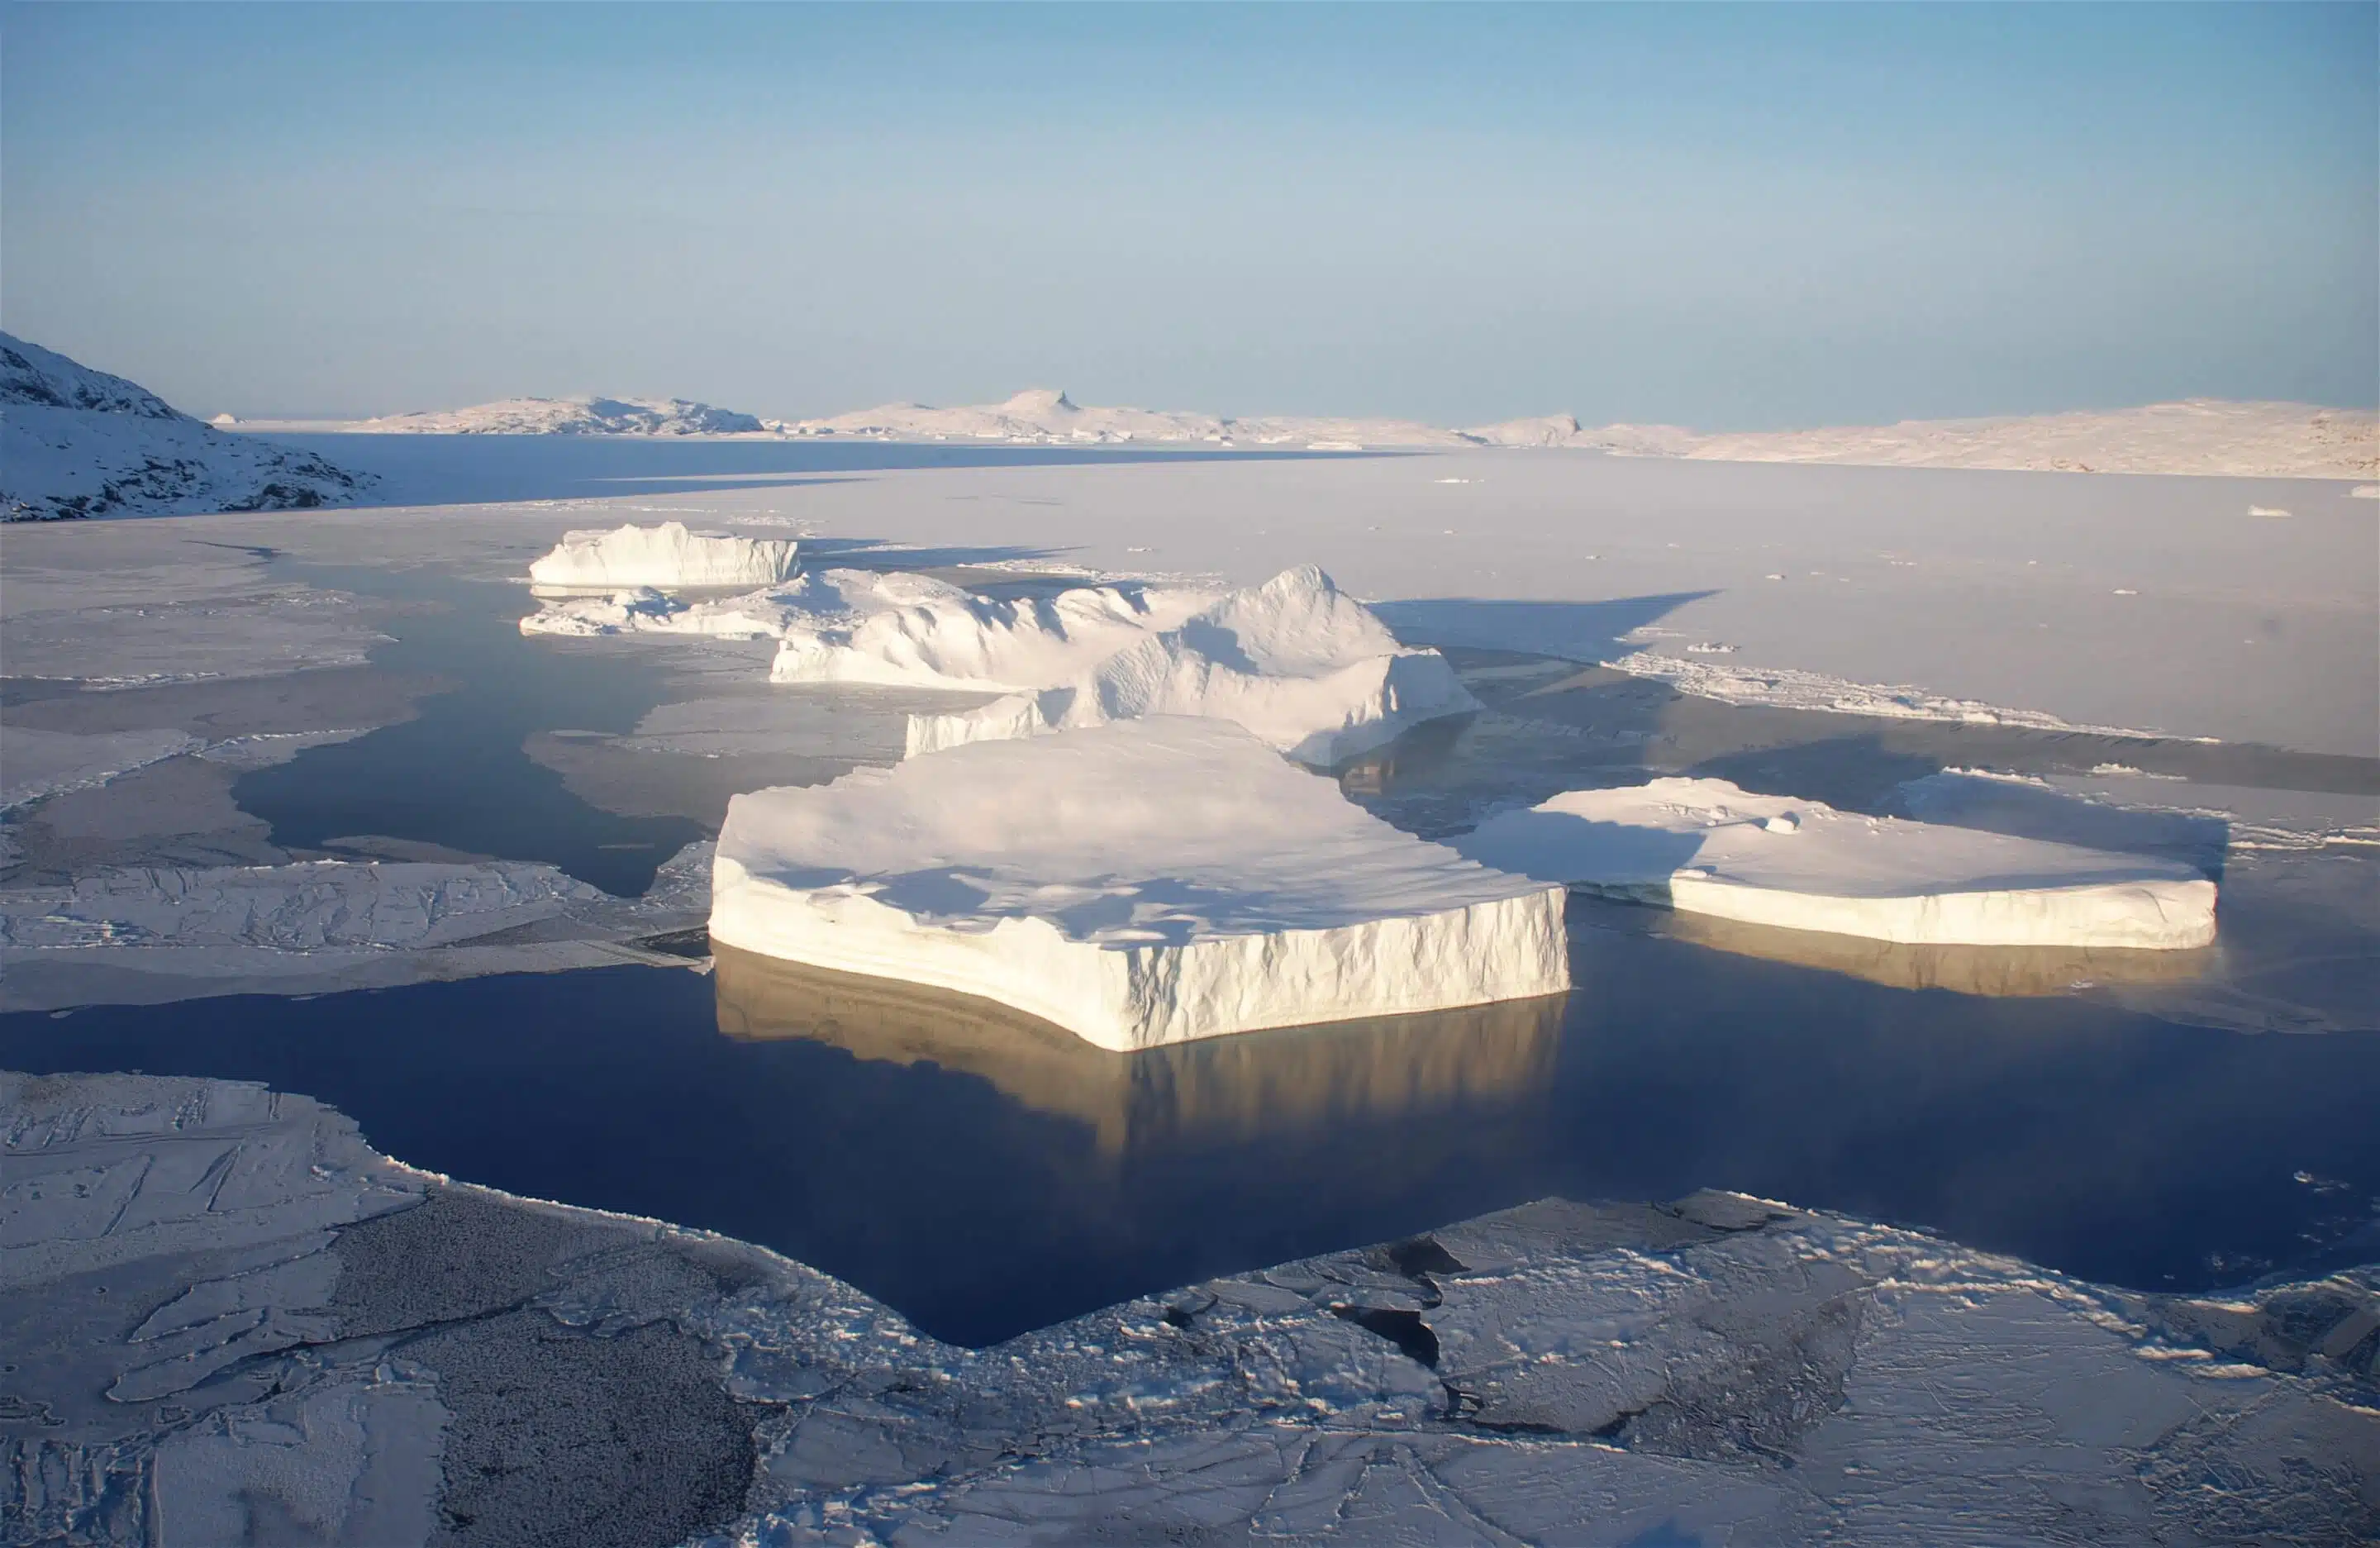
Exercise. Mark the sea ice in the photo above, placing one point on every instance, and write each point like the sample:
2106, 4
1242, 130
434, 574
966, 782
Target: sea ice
960, 640
1704, 847
1305, 667
669, 554
1136, 885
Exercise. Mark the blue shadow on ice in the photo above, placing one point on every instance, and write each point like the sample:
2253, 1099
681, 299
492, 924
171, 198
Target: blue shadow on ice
1586, 631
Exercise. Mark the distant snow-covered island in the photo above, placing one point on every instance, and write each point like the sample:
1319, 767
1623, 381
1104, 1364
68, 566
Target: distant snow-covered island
77, 443
2203, 436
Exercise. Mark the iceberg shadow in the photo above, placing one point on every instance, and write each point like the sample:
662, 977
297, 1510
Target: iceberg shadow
1991, 972
1205, 1092
1583, 631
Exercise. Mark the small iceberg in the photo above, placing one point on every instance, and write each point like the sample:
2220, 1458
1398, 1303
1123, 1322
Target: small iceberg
666, 556
1704, 847
1297, 661
1137, 885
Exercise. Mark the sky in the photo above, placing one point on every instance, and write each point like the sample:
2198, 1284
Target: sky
1730, 218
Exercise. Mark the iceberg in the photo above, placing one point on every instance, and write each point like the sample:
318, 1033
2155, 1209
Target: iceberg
1305, 667
669, 554
961, 641
814, 600
1704, 847
1136, 885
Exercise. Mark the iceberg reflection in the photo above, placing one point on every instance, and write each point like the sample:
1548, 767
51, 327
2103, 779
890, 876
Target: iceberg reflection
1997, 971
1207, 1091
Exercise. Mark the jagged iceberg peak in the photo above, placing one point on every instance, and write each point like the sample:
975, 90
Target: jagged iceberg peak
1305, 667
668, 556
77, 443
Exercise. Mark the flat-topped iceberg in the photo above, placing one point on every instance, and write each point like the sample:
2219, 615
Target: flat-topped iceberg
813, 600
1302, 665
1137, 885
961, 641
669, 554
1704, 847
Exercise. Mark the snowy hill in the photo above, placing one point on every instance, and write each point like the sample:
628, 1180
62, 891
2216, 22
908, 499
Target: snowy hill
76, 442
568, 416
1043, 414
2204, 436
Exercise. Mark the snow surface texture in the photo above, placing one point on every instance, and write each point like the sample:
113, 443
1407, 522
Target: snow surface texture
837, 599
1704, 847
305, 1340
79, 442
1307, 668
161, 933
669, 554
954, 640
568, 416
1137, 885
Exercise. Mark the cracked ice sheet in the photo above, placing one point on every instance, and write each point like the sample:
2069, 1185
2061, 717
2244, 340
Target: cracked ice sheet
1722, 1371
153, 933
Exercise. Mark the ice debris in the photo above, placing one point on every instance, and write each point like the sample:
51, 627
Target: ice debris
1138, 884
1704, 846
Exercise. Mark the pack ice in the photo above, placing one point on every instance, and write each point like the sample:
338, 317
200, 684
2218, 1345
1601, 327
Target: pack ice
1302, 665
1137, 885
669, 554
1704, 847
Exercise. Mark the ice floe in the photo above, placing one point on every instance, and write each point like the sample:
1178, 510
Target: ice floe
1302, 665
1138, 884
1704, 846
147, 934
669, 554
960, 640
34, 764
76, 443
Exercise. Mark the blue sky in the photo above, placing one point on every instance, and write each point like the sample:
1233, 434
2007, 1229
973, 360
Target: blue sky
1725, 217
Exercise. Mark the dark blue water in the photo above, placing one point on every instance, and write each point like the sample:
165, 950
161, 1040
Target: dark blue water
457, 774
984, 1183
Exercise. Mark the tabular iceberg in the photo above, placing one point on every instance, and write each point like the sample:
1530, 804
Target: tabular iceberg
1137, 885
960, 640
1305, 667
1704, 847
669, 554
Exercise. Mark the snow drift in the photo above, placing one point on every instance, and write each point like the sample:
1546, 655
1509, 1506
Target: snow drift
960, 640
1297, 661
79, 442
1136, 885
669, 554
1704, 847
570, 416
